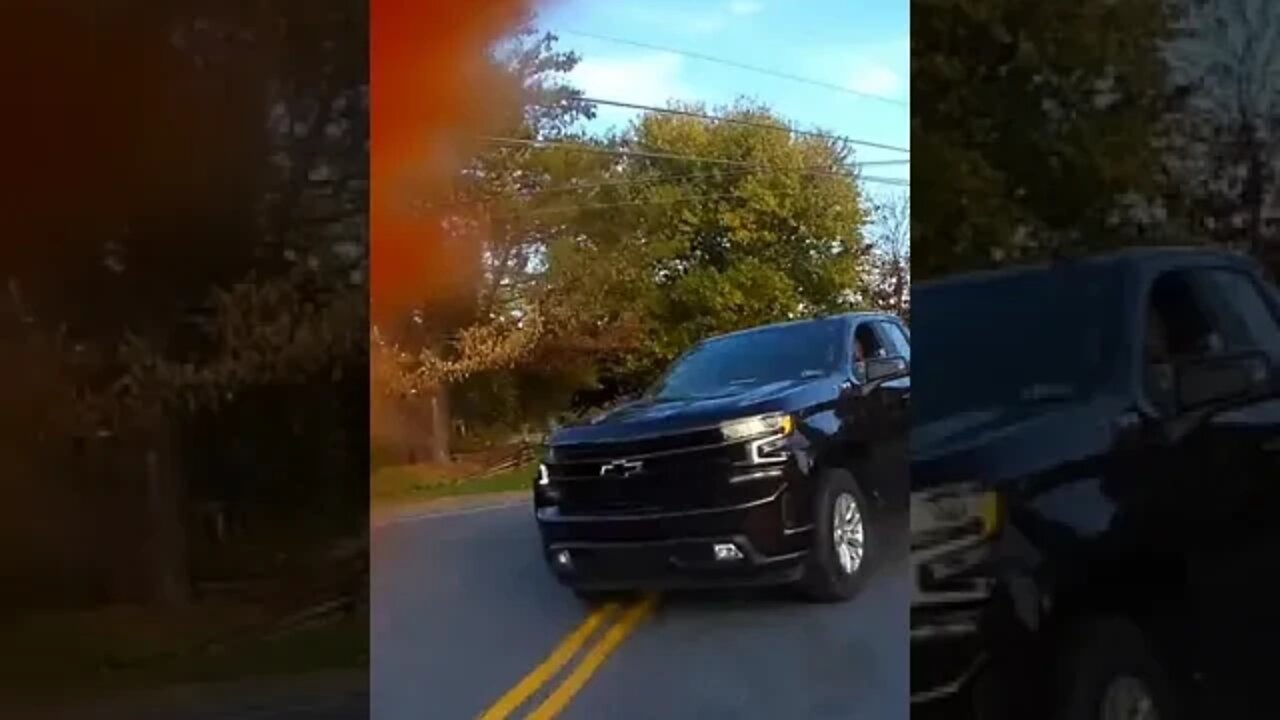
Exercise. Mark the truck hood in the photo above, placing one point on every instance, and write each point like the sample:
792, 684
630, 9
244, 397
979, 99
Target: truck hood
997, 446
649, 417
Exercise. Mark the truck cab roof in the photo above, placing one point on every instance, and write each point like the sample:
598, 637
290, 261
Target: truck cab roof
1148, 258
852, 317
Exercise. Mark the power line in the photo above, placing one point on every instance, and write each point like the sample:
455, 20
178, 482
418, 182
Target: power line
628, 203
660, 177
617, 152
737, 64
623, 182
732, 121
577, 147
870, 163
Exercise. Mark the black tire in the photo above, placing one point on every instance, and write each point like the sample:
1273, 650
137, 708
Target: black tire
825, 580
1099, 652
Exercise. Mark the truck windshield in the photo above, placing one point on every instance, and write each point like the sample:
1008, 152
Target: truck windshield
995, 342
724, 365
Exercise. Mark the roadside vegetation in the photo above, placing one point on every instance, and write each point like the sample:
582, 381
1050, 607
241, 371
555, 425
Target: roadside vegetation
582, 260
184, 314
467, 475
95, 654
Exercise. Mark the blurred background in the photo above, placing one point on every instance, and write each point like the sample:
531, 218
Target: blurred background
185, 324
1057, 130
1054, 129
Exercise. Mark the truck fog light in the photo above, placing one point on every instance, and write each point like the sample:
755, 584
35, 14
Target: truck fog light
726, 552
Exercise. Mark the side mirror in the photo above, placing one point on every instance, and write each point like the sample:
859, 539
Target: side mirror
1211, 380
885, 368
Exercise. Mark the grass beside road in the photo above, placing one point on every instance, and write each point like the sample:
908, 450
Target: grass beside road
416, 483
94, 654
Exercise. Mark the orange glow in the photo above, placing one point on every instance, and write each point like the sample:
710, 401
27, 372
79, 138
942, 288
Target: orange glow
431, 90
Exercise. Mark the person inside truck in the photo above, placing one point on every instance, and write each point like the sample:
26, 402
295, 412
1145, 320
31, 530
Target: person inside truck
1178, 328
1184, 322
865, 345
1158, 356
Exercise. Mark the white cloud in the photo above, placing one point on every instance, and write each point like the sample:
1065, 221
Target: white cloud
703, 21
876, 68
693, 21
875, 79
745, 7
649, 79
704, 24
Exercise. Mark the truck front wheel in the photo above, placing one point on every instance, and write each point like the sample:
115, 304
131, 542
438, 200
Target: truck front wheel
841, 541
1108, 670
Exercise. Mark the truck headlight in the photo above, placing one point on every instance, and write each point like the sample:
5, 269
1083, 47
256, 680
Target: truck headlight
768, 437
544, 477
773, 424
963, 512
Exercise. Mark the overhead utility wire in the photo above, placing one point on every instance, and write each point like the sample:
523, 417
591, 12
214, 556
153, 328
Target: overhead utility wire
623, 182
627, 203
731, 121
551, 144
740, 65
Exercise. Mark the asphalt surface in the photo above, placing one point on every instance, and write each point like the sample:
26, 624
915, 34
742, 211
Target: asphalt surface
330, 695
463, 609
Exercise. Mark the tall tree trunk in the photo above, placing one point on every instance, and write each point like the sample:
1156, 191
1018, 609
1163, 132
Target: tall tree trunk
899, 285
439, 404
170, 577
1254, 198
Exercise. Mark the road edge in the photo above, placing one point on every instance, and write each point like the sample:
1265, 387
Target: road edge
401, 512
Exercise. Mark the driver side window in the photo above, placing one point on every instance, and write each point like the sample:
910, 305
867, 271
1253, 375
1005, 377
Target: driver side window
897, 340
1200, 313
866, 344
1172, 317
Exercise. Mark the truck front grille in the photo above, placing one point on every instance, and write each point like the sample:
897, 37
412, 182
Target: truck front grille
692, 478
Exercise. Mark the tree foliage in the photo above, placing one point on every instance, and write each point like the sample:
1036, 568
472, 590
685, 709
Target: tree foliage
222, 251
493, 217
593, 260
891, 256
1040, 122
762, 226
189, 244
1225, 134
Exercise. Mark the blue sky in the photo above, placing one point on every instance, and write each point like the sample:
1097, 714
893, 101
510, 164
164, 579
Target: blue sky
861, 45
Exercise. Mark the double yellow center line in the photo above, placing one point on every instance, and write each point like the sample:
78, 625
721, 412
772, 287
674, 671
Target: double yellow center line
555, 703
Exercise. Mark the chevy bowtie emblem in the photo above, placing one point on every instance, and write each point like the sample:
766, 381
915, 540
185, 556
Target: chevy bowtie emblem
621, 468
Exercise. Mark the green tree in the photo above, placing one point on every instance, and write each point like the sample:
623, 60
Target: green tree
765, 226
1040, 118
598, 259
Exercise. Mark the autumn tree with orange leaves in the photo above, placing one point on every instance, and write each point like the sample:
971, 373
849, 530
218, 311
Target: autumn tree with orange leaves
507, 304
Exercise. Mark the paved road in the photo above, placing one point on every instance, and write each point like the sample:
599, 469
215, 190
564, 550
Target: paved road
329, 695
463, 609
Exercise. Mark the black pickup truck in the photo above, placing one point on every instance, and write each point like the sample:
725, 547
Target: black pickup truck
756, 459
1094, 476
